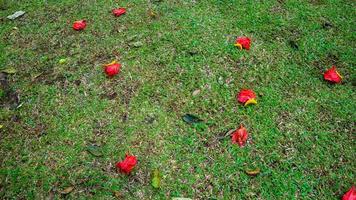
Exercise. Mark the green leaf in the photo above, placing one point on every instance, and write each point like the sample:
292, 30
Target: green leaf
156, 180
191, 119
94, 150
9, 70
62, 61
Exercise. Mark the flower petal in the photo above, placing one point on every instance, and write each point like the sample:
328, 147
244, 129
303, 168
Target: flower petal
250, 101
127, 165
332, 75
119, 11
244, 95
350, 195
240, 136
79, 25
245, 42
112, 68
238, 45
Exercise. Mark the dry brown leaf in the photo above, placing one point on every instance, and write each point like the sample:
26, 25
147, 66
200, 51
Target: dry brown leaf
118, 195
196, 92
253, 172
67, 190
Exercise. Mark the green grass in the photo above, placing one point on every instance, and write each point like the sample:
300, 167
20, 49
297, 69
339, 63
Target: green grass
302, 131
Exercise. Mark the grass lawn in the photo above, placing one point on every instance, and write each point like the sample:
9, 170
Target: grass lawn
302, 133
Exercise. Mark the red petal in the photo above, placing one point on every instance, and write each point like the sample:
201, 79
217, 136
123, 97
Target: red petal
119, 11
332, 75
245, 42
245, 95
350, 195
240, 136
79, 25
127, 165
112, 69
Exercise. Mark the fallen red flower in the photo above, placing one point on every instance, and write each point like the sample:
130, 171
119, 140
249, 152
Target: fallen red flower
332, 75
127, 165
119, 11
240, 136
79, 25
350, 195
243, 43
245, 96
112, 68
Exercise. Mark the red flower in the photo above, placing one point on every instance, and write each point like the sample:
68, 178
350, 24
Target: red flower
127, 165
119, 11
243, 43
112, 68
79, 25
246, 97
240, 136
332, 75
350, 195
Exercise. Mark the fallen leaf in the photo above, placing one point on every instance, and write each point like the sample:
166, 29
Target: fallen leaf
17, 14
62, 61
196, 92
118, 195
94, 150
152, 14
67, 190
253, 172
156, 180
191, 119
9, 70
1, 126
